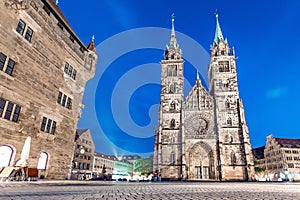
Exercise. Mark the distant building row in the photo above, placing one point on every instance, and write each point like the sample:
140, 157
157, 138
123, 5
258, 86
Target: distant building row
89, 164
278, 159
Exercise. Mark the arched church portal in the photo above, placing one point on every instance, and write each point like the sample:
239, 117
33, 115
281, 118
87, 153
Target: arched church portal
200, 162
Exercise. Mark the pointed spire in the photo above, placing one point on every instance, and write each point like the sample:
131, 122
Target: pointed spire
173, 29
91, 45
173, 42
198, 81
56, 2
172, 49
218, 34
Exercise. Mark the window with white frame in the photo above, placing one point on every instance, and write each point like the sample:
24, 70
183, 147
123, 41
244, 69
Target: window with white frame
23, 28
6, 64
70, 71
48, 125
9, 110
64, 100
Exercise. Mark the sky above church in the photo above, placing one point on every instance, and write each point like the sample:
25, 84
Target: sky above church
121, 102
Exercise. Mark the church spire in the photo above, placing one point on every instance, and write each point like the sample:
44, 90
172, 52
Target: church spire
218, 34
172, 49
173, 42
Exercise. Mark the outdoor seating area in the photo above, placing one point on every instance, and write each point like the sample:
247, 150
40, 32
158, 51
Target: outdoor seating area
18, 174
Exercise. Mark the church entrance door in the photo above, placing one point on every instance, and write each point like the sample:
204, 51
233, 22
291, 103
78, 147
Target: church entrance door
198, 172
205, 172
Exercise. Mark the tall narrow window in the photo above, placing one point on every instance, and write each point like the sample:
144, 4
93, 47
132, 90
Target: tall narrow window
172, 158
21, 27
48, 125
70, 70
66, 68
16, 113
69, 103
53, 127
227, 104
8, 110
229, 121
172, 125
28, 34
2, 105
172, 106
59, 97
233, 158
74, 74
2, 60
63, 103
10, 67
44, 122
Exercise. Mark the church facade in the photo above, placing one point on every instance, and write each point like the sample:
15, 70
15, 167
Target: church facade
203, 136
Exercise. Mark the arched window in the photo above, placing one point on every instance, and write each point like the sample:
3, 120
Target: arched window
172, 158
229, 121
233, 158
7, 154
172, 125
172, 70
227, 104
173, 88
43, 160
172, 105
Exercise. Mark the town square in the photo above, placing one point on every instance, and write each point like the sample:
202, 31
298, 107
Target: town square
149, 99
78, 190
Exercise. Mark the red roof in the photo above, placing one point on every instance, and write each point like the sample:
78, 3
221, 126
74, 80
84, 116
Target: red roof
288, 143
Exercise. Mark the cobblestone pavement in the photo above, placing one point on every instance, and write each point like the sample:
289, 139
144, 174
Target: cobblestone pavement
94, 190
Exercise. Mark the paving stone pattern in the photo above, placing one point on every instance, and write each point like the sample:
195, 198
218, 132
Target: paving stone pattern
85, 190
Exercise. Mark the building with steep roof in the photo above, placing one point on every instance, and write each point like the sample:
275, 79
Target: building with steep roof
281, 159
44, 67
203, 136
83, 157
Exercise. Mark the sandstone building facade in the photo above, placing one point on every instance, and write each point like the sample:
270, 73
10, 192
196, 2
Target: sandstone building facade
83, 158
280, 158
44, 67
203, 136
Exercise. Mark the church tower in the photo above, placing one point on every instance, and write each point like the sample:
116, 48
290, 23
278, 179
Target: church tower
168, 135
235, 161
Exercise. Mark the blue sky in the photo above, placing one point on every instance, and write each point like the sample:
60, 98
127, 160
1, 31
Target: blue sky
265, 35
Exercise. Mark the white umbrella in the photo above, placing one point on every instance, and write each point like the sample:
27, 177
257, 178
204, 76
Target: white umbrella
25, 153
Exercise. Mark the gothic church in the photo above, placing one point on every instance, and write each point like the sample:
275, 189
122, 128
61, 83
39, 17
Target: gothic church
203, 136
